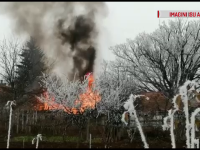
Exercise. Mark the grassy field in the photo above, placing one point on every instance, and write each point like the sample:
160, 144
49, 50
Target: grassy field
54, 139
71, 142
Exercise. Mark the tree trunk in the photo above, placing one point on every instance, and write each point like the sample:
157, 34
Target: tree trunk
64, 134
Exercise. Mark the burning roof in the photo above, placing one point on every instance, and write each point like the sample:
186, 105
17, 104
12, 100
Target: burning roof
86, 100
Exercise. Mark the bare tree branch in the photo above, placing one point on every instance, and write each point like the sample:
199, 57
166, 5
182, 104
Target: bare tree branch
165, 59
9, 57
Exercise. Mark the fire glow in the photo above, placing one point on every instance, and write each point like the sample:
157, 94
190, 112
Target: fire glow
86, 100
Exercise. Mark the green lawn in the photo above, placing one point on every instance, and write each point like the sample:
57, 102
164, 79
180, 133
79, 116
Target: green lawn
53, 139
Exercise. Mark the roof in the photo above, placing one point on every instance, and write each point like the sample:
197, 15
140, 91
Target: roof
156, 102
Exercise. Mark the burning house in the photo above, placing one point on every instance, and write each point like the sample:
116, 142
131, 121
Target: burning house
88, 99
67, 33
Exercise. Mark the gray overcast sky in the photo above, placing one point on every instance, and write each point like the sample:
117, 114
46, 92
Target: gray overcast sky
125, 20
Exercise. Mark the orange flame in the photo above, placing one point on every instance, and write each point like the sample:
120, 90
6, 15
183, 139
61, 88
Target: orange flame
86, 100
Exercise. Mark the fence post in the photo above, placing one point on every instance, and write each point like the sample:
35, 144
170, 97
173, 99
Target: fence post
90, 140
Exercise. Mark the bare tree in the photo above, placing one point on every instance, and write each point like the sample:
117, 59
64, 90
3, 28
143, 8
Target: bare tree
9, 57
163, 60
119, 77
113, 86
68, 96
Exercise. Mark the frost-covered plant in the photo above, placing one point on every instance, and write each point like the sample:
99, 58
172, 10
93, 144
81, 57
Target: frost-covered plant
184, 97
170, 125
75, 97
63, 93
9, 105
110, 107
193, 127
129, 106
110, 103
114, 86
37, 138
111, 88
187, 93
109, 92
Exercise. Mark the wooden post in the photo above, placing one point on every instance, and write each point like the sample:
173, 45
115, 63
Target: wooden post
17, 121
23, 142
22, 120
90, 141
27, 119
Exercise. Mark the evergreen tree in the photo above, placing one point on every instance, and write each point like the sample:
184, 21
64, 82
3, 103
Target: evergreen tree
30, 68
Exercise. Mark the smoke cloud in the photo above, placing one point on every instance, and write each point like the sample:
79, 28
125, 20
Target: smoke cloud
67, 32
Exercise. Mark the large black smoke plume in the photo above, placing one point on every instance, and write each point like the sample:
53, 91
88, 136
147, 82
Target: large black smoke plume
67, 32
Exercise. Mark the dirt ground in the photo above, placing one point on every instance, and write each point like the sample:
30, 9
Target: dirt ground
122, 144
